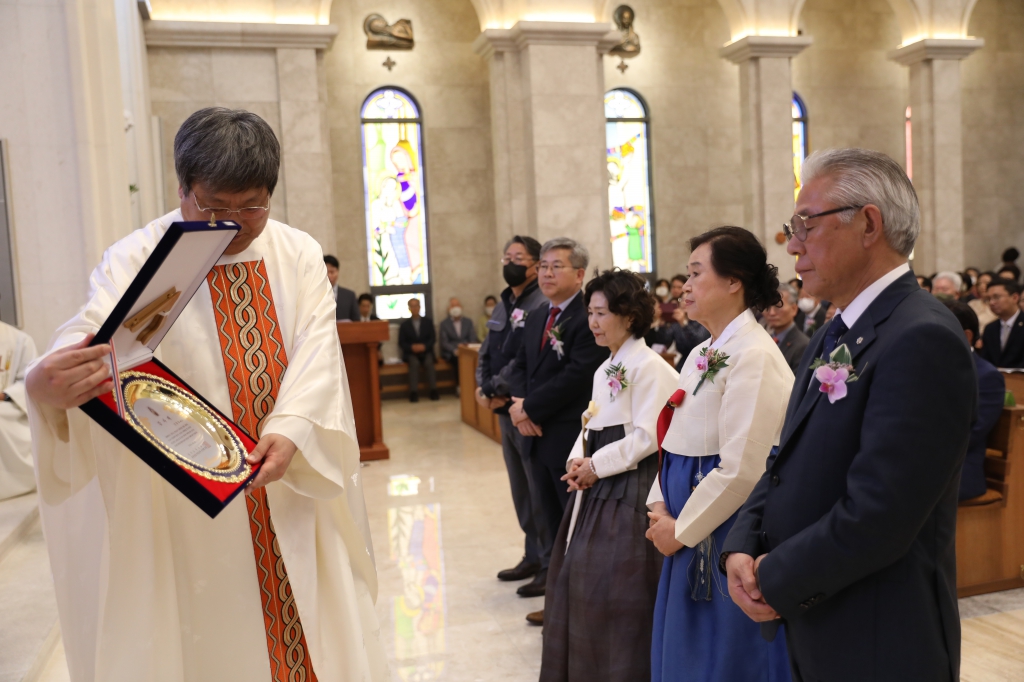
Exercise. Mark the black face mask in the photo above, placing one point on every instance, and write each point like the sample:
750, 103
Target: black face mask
514, 274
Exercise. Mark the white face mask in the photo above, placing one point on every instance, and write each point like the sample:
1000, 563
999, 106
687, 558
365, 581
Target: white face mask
806, 305
455, 312
489, 310
661, 291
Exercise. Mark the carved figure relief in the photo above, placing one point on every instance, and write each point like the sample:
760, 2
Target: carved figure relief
381, 36
630, 45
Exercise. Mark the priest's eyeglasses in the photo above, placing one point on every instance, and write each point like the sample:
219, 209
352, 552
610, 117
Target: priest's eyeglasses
797, 225
248, 213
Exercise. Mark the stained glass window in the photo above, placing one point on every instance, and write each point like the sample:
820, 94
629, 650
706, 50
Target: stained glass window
799, 140
910, 148
629, 180
395, 194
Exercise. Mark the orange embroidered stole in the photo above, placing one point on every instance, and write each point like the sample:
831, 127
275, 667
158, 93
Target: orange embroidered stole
255, 361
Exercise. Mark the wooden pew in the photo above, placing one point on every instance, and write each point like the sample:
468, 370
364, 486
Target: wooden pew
990, 528
394, 380
480, 418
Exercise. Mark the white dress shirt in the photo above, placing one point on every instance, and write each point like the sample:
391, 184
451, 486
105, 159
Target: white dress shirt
738, 417
865, 298
1006, 326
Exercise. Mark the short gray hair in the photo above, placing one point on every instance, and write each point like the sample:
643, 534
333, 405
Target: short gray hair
862, 177
228, 150
954, 278
579, 257
790, 291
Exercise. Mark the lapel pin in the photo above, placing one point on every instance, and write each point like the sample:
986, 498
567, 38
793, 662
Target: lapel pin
860, 340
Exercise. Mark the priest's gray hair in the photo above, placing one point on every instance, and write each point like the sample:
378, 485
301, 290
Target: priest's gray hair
861, 177
790, 291
228, 150
579, 258
956, 280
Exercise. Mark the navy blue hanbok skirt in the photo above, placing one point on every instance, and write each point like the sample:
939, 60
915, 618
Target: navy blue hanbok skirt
705, 640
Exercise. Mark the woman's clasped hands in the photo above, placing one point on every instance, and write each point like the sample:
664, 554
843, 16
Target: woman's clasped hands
581, 474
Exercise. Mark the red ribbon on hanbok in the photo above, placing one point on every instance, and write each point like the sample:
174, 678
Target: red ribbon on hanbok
664, 420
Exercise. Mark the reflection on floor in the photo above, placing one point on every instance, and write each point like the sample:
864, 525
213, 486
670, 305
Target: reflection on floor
443, 525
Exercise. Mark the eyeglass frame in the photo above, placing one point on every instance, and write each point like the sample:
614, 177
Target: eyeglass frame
546, 267
227, 211
789, 232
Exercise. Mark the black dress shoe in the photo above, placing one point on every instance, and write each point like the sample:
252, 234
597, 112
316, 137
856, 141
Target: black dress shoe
414, 398
534, 588
434, 395
521, 572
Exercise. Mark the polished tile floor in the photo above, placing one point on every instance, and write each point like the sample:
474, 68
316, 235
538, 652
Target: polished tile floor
442, 523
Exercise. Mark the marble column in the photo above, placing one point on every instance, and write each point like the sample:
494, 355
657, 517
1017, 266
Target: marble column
937, 147
305, 145
547, 93
766, 95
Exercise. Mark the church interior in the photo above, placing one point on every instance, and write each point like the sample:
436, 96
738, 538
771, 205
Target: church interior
630, 129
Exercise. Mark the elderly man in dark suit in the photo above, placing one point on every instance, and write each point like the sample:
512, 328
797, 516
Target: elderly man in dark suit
347, 308
416, 338
551, 386
1003, 340
848, 538
792, 341
454, 331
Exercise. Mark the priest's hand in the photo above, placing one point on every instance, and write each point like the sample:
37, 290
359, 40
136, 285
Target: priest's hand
744, 587
71, 376
663, 533
276, 452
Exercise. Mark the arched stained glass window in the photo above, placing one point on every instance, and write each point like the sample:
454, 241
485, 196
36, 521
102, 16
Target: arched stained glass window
910, 147
800, 149
629, 180
395, 194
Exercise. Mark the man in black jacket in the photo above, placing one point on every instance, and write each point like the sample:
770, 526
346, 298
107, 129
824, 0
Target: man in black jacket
849, 534
416, 338
493, 371
1003, 339
551, 386
346, 306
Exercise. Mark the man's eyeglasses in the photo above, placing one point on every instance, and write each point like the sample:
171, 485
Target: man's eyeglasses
797, 225
554, 268
249, 213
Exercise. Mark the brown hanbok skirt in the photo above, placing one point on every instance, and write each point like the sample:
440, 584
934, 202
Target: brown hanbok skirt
599, 608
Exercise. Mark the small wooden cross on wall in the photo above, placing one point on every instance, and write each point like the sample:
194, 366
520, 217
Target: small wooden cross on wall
389, 63
622, 66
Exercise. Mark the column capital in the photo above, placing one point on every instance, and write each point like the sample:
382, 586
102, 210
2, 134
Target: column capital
525, 33
755, 47
232, 34
935, 48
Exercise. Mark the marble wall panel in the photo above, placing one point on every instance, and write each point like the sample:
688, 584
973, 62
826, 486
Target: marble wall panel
993, 123
693, 96
451, 84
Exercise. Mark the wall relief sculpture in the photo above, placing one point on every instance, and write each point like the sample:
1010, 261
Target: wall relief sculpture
381, 36
630, 45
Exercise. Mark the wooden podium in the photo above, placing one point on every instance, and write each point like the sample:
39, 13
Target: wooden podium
359, 347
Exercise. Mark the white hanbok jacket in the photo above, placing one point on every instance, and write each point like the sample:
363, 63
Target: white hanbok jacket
17, 351
738, 417
651, 382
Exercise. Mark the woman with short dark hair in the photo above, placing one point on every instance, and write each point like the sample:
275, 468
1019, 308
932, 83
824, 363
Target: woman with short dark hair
603, 578
728, 413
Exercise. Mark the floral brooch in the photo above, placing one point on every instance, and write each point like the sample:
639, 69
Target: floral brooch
710, 362
555, 339
835, 374
518, 318
617, 381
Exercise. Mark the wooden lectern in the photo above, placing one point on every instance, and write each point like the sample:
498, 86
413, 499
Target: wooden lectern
359, 342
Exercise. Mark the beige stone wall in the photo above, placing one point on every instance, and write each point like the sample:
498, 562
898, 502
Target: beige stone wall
993, 122
855, 96
693, 97
450, 82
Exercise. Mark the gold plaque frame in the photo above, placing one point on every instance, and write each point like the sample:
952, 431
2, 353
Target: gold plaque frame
137, 385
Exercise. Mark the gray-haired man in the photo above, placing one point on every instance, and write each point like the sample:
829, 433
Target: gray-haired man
792, 341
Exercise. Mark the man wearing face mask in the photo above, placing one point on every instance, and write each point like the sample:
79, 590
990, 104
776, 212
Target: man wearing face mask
455, 331
812, 313
490, 303
497, 356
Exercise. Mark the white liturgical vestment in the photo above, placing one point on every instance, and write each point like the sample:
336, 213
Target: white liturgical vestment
17, 351
149, 588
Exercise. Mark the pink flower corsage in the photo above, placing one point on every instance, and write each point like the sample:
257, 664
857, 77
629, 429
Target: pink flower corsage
555, 339
835, 374
710, 362
617, 381
518, 318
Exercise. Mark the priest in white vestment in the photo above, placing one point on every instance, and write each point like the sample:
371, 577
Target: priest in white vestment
150, 588
17, 350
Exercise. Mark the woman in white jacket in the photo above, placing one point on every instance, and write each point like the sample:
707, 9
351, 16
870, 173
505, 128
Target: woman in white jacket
603, 578
730, 406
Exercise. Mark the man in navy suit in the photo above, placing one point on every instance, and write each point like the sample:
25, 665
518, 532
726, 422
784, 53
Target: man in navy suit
991, 396
848, 537
1003, 341
551, 384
